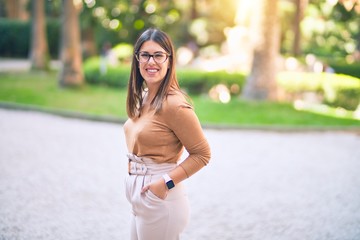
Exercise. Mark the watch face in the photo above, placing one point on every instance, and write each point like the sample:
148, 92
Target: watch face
170, 184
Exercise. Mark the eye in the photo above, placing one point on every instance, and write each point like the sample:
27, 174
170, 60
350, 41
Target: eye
159, 55
144, 55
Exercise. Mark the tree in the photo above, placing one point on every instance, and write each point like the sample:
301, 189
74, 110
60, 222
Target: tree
300, 6
350, 4
70, 50
39, 55
261, 83
16, 9
339, 35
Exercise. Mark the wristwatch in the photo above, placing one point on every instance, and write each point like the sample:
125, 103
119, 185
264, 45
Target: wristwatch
169, 182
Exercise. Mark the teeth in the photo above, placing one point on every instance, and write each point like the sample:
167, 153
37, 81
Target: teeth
152, 70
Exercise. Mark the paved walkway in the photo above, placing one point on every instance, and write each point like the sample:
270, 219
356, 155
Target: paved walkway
63, 179
12, 65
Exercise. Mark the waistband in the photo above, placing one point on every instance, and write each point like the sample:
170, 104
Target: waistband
146, 166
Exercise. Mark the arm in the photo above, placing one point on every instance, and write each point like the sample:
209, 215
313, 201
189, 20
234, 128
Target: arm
186, 126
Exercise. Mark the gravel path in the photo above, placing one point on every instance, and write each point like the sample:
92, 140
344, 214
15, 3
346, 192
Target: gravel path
63, 179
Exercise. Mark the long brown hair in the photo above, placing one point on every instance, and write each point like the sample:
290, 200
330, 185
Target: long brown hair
136, 82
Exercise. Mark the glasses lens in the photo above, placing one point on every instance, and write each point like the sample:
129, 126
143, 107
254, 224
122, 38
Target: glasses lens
144, 57
160, 57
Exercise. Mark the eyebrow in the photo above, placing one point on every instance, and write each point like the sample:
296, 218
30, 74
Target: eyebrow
153, 53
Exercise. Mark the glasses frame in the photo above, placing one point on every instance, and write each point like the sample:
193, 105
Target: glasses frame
151, 56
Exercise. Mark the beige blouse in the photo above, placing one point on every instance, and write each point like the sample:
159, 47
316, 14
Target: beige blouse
162, 136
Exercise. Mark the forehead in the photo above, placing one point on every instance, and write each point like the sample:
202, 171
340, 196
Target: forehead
151, 46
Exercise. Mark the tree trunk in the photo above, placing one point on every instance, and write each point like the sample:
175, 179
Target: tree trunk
39, 55
12, 8
70, 51
16, 9
300, 6
89, 43
261, 83
194, 12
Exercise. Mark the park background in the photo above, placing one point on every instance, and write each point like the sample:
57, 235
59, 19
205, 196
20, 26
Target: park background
245, 64
275, 84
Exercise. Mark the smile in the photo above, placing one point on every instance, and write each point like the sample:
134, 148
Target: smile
152, 70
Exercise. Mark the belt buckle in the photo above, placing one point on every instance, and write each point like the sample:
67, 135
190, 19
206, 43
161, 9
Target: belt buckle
136, 168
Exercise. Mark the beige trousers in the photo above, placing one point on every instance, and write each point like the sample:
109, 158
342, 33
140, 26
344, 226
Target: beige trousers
152, 217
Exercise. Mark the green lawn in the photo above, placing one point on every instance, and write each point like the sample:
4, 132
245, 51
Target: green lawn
41, 89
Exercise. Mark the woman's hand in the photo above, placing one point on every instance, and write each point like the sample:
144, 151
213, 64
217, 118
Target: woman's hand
158, 188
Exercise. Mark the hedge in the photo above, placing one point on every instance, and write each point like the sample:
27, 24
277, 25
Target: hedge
15, 38
348, 69
336, 90
97, 71
193, 81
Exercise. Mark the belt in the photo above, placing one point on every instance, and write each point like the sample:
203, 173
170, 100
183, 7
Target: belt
136, 168
146, 166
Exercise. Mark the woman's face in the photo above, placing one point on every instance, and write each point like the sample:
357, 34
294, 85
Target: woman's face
155, 69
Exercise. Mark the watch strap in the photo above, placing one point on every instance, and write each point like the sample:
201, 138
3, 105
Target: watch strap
168, 181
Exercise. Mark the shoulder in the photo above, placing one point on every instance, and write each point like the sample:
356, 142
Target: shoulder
176, 99
177, 112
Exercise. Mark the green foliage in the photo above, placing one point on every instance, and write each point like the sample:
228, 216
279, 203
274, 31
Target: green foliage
123, 52
193, 81
336, 90
261, 113
41, 89
207, 23
347, 98
98, 71
341, 91
295, 82
53, 29
123, 21
345, 68
329, 30
15, 38
198, 82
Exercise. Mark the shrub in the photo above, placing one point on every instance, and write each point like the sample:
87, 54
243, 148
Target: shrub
15, 37
97, 71
199, 81
337, 90
53, 30
123, 52
348, 69
341, 91
193, 81
294, 82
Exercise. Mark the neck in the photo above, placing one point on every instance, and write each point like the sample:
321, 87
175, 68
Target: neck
150, 95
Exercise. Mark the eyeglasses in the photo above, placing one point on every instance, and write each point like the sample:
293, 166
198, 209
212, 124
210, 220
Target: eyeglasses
158, 57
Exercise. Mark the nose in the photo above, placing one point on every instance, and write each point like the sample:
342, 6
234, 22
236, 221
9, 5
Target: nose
151, 58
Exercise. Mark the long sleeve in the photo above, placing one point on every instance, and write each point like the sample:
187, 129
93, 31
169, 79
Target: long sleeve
186, 126
163, 136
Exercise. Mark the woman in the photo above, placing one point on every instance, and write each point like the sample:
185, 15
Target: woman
161, 123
